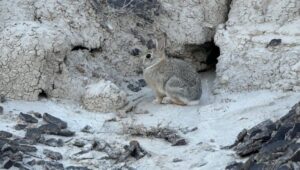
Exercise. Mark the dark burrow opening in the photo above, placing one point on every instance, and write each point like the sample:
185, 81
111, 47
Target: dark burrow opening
213, 54
204, 56
42, 95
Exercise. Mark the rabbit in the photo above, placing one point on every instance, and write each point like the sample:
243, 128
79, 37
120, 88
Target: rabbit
170, 77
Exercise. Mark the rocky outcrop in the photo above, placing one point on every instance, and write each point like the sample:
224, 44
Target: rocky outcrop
260, 46
271, 145
55, 49
104, 97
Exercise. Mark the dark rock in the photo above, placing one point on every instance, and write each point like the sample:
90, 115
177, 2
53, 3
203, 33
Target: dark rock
179, 142
52, 155
133, 88
40, 162
87, 129
79, 143
274, 42
53, 166
37, 115
54, 142
234, 166
134, 150
32, 162
18, 156
142, 83
150, 44
66, 133
1, 110
54, 120
281, 133
49, 129
21, 166
135, 52
296, 156
272, 145
294, 132
20, 126
33, 134
8, 164
25, 148
177, 160
4, 134
2, 99
76, 168
285, 167
27, 118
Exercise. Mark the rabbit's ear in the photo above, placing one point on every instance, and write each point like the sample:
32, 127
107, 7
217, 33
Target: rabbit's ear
161, 44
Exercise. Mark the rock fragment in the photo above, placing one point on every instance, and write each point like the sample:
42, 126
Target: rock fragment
4, 134
52, 155
54, 120
27, 118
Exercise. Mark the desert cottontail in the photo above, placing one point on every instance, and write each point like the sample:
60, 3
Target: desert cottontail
170, 77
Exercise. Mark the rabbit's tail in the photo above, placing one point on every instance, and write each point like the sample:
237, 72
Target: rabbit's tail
194, 102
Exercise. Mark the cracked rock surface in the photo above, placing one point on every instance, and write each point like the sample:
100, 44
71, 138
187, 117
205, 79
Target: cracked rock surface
260, 46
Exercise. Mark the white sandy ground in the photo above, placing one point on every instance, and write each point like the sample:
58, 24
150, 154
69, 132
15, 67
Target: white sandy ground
219, 118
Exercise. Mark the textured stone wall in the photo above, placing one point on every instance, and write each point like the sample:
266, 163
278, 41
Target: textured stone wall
60, 47
260, 46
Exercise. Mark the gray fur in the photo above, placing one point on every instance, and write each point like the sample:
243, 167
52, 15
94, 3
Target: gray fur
173, 78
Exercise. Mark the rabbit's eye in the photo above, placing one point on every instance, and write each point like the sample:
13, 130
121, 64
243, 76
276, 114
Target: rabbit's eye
148, 56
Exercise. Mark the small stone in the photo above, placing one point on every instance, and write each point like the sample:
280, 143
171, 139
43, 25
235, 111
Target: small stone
241, 135
2, 99
52, 155
21, 166
133, 88
54, 120
25, 148
37, 114
135, 52
142, 83
77, 168
18, 156
40, 162
27, 118
20, 126
150, 44
79, 143
8, 164
54, 142
66, 133
179, 142
4, 134
87, 129
33, 134
53, 166
1, 110
296, 156
177, 160
274, 42
32, 162
49, 129
234, 166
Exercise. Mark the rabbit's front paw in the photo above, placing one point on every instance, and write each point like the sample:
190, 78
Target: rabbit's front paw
157, 101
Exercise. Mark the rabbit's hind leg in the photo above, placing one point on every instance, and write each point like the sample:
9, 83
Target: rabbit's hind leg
159, 98
175, 90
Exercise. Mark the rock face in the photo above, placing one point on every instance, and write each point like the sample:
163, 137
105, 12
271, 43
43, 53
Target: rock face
271, 145
104, 97
260, 46
55, 49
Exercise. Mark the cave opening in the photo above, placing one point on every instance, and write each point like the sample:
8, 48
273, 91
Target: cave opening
204, 56
213, 52
42, 95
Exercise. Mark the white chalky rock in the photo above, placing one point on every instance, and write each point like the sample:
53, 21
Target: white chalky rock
104, 96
